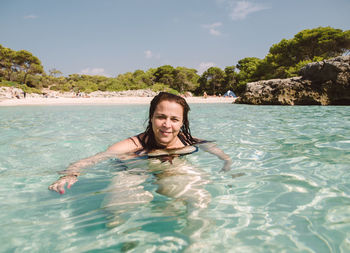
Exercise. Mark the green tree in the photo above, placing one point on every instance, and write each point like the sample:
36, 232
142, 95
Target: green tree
247, 69
230, 82
325, 42
28, 64
142, 79
54, 72
211, 81
185, 79
126, 80
113, 84
74, 77
85, 86
288, 56
165, 74
7, 66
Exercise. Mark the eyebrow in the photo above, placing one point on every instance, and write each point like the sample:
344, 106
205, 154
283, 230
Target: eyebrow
162, 114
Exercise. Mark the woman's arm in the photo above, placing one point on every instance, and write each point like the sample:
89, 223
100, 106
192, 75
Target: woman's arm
70, 174
212, 148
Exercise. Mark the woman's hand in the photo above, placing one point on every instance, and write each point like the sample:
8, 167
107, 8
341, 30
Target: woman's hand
59, 185
227, 166
213, 149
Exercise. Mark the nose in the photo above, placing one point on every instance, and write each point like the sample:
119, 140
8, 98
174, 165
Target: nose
166, 123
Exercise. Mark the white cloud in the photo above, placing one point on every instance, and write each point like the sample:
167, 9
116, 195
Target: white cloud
149, 54
30, 17
242, 9
213, 28
94, 72
203, 66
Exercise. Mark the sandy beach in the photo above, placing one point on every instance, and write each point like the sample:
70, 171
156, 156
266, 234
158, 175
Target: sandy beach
102, 101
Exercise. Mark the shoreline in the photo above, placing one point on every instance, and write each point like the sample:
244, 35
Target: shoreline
104, 101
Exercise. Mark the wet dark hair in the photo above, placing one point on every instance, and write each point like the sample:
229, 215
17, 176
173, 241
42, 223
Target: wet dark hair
148, 140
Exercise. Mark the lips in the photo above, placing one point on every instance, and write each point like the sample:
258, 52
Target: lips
166, 133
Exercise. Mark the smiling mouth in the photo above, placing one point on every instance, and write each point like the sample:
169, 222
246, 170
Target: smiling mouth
165, 132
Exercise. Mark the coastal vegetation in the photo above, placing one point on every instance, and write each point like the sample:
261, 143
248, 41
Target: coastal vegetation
23, 70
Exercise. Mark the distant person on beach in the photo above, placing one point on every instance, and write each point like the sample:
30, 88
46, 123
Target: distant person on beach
205, 95
17, 95
168, 132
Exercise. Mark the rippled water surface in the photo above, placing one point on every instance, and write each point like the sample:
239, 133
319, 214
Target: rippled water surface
288, 190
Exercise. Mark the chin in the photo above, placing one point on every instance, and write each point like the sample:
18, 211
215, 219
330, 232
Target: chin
164, 141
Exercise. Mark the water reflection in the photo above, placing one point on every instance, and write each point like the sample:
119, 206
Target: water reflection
181, 183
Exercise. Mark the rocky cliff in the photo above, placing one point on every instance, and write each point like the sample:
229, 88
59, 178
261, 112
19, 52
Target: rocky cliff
321, 83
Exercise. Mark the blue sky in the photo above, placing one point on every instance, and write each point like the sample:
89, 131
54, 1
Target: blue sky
111, 37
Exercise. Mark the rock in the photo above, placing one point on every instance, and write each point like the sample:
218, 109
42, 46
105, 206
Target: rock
335, 70
321, 83
127, 93
13, 93
188, 94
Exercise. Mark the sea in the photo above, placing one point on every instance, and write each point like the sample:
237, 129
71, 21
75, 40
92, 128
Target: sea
288, 189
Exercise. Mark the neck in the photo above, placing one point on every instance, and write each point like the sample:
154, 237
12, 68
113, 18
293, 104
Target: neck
176, 143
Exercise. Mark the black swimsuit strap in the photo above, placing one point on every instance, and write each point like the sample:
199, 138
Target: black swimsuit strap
143, 144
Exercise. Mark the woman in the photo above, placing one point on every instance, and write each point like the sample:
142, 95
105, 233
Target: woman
168, 132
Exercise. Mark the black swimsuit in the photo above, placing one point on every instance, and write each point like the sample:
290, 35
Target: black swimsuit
180, 136
144, 146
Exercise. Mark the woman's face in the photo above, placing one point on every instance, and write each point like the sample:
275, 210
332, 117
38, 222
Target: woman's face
167, 121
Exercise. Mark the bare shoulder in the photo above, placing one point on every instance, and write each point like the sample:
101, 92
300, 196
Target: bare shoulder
128, 145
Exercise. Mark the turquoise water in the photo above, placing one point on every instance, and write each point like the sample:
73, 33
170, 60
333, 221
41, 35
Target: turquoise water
288, 190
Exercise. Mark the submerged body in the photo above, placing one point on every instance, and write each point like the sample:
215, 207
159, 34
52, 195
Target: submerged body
178, 180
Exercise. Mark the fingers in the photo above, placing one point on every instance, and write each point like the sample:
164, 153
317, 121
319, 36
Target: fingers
59, 185
225, 169
72, 181
227, 165
61, 188
52, 188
